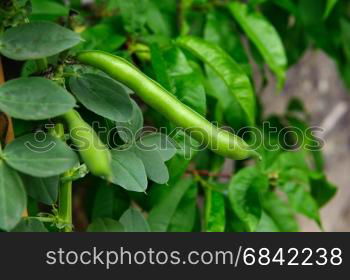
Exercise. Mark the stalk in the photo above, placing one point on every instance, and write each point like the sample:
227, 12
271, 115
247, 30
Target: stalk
65, 205
65, 191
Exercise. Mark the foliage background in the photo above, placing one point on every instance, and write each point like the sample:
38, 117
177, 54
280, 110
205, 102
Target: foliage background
316, 80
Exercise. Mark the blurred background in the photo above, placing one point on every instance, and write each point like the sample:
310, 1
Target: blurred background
315, 79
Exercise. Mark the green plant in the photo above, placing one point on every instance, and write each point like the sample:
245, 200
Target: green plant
78, 133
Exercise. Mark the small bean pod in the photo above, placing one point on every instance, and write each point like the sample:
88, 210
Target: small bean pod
93, 152
218, 140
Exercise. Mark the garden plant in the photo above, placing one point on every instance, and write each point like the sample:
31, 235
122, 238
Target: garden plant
145, 115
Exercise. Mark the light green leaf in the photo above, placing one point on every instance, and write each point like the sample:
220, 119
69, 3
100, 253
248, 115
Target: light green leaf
44, 190
227, 69
295, 183
153, 163
161, 214
34, 98
245, 190
36, 40
133, 221
128, 171
265, 38
215, 217
105, 225
102, 96
13, 198
40, 155
280, 212
266, 224
161, 142
130, 130
329, 8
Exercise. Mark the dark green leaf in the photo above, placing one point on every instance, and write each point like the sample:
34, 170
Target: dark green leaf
30, 225
161, 214
245, 191
109, 202
40, 155
265, 38
34, 99
102, 96
184, 217
36, 40
321, 189
105, 225
13, 198
44, 190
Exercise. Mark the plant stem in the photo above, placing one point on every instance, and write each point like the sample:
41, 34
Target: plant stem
65, 191
65, 205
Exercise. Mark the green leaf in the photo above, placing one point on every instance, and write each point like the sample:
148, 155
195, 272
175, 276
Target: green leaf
329, 8
184, 217
128, 171
215, 217
321, 189
105, 225
219, 29
101, 37
34, 98
245, 190
13, 198
160, 68
133, 221
36, 40
187, 81
130, 130
44, 190
103, 96
30, 225
161, 142
153, 163
226, 68
134, 14
280, 212
40, 155
295, 183
266, 224
156, 21
161, 214
109, 202
47, 10
265, 38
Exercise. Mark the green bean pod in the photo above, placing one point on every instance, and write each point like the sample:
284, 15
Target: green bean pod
218, 140
93, 152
